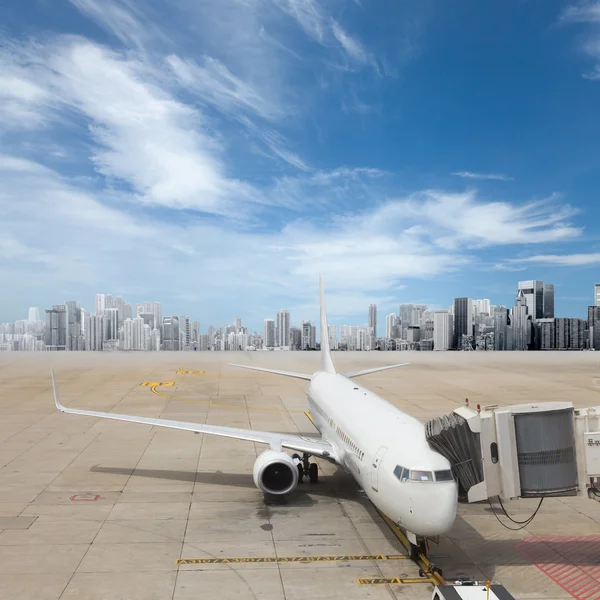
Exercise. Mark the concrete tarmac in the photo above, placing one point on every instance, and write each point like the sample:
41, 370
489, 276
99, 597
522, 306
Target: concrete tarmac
94, 509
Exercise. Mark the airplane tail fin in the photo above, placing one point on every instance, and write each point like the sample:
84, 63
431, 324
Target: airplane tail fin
326, 362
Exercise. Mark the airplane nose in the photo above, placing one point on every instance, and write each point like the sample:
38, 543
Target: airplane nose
437, 513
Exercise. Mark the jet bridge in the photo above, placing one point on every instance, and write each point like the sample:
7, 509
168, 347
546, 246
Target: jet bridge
538, 450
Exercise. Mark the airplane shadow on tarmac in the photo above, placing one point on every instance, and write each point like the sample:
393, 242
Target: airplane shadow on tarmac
460, 551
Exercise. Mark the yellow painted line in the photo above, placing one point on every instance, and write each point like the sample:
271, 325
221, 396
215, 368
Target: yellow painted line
183, 371
156, 383
289, 559
388, 581
154, 390
422, 560
310, 418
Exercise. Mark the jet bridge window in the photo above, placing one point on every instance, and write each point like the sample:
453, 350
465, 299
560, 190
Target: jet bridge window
401, 473
421, 476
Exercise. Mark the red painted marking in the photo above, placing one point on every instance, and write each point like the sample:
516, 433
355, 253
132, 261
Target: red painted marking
84, 498
572, 562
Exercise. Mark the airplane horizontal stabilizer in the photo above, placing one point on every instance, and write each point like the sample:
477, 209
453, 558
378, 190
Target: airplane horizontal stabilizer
367, 371
276, 372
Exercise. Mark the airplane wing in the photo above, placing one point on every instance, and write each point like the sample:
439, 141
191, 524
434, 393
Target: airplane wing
367, 371
276, 372
313, 446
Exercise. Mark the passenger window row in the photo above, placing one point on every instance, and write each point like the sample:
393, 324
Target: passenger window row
403, 474
343, 435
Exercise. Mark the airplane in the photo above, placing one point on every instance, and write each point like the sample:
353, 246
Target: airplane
384, 449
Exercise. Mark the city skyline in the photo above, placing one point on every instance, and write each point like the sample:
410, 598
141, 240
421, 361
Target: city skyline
367, 141
468, 324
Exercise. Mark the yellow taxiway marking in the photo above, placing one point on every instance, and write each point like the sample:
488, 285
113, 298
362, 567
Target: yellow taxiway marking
289, 559
422, 560
183, 371
310, 418
153, 385
388, 580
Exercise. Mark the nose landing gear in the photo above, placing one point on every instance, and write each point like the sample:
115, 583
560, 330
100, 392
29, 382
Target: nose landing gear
418, 550
306, 468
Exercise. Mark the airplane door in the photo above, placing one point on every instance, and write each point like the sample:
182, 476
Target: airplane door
375, 467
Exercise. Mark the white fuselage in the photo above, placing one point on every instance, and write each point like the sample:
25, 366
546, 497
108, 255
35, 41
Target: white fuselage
372, 438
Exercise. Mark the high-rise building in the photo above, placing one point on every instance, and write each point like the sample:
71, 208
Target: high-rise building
100, 303
500, 317
594, 326
333, 343
73, 324
392, 329
548, 301
482, 306
570, 334
308, 342
154, 308
597, 294
195, 332
283, 328
185, 329
95, 333
138, 335
170, 333
463, 321
411, 314
443, 326
149, 319
520, 322
111, 324
34, 314
128, 334
269, 333
533, 292
237, 323
295, 338
373, 319
56, 328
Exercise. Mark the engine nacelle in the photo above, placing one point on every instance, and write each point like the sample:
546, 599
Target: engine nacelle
275, 472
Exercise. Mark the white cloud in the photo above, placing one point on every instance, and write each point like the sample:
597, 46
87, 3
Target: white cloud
350, 44
582, 12
307, 13
471, 175
558, 260
214, 83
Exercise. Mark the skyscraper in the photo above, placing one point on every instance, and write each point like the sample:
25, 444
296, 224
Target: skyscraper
111, 324
100, 303
34, 314
442, 330
391, 326
170, 334
463, 320
283, 328
520, 322
597, 294
307, 335
533, 291
269, 333
56, 327
184, 327
501, 328
295, 338
373, 319
151, 307
594, 326
483, 306
333, 344
548, 302
73, 324
95, 333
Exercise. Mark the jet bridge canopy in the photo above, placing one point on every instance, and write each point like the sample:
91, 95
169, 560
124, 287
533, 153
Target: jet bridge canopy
529, 450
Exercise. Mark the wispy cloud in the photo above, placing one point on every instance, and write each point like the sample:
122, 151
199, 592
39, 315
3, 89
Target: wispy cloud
350, 44
472, 175
558, 260
587, 11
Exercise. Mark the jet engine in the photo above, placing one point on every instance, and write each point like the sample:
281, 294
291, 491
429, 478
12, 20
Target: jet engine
275, 472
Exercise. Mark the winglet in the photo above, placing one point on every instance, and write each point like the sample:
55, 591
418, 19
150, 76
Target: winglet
326, 362
56, 396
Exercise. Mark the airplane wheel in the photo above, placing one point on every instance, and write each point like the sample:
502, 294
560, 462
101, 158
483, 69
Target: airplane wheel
421, 573
313, 473
300, 472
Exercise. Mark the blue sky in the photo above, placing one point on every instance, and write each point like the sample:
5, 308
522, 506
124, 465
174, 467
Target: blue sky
218, 155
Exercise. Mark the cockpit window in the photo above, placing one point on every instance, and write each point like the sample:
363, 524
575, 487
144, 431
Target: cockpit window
401, 473
421, 476
444, 476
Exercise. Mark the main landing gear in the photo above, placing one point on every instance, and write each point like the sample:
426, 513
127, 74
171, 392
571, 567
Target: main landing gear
306, 468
